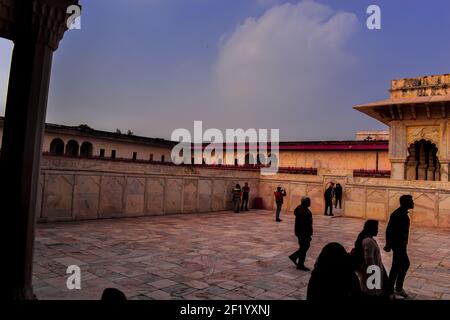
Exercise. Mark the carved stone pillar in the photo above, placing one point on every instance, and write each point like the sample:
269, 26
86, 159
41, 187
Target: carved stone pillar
422, 169
431, 166
437, 172
411, 165
430, 173
36, 27
397, 150
444, 170
398, 168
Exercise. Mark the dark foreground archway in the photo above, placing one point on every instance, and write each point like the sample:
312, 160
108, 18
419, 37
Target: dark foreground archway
35, 27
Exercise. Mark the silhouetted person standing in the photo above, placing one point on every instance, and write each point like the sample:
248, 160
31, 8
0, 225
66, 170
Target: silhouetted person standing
397, 234
328, 197
338, 195
368, 254
303, 231
245, 194
279, 195
237, 197
333, 277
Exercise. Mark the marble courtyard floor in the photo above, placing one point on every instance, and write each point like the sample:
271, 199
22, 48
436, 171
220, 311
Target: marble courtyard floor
218, 255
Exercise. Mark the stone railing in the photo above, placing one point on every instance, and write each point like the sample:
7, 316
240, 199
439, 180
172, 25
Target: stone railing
77, 189
82, 188
376, 198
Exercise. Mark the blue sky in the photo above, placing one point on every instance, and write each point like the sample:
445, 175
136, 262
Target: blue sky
156, 65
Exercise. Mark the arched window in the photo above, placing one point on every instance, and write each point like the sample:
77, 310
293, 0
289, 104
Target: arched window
57, 146
72, 148
423, 163
249, 159
86, 149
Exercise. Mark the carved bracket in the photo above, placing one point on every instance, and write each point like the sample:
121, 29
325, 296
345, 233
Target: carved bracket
43, 21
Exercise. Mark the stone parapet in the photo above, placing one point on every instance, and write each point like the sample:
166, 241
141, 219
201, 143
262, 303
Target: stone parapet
79, 189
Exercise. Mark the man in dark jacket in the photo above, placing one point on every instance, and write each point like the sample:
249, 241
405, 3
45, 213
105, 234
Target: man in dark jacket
279, 195
245, 193
328, 197
397, 234
237, 193
303, 231
338, 195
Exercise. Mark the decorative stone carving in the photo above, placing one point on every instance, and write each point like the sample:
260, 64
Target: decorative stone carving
111, 196
205, 195
85, 197
436, 85
154, 196
190, 194
134, 196
444, 210
58, 196
417, 133
173, 195
424, 209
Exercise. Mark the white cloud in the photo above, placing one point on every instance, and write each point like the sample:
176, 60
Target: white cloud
274, 69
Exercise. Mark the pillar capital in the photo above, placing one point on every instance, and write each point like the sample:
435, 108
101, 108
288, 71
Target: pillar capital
49, 21
41, 21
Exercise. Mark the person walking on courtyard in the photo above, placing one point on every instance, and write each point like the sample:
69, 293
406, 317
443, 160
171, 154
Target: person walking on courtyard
303, 232
397, 234
279, 195
245, 194
337, 195
333, 277
328, 197
367, 254
237, 192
